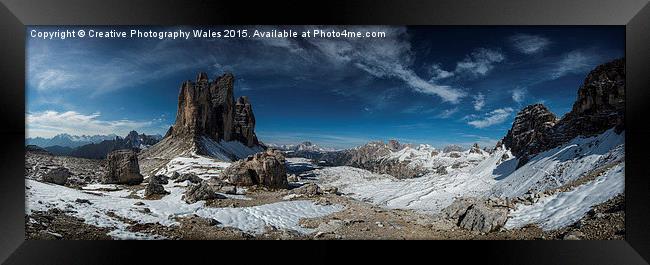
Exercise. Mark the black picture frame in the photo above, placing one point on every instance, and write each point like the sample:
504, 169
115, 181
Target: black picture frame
634, 15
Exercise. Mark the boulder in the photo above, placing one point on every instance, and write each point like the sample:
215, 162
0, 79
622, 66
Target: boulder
58, 175
309, 190
188, 176
200, 192
155, 186
123, 168
265, 168
477, 215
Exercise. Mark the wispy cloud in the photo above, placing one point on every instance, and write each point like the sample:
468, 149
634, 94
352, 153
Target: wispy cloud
50, 123
494, 117
438, 73
479, 62
447, 113
389, 57
518, 94
577, 61
529, 44
479, 101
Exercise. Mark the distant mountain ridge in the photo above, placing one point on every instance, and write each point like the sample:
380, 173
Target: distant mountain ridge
67, 140
99, 150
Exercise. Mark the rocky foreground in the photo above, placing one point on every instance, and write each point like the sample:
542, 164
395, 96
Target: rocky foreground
133, 212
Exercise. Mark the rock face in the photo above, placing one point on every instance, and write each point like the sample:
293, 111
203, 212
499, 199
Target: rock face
208, 108
599, 106
244, 122
58, 175
530, 130
123, 168
265, 168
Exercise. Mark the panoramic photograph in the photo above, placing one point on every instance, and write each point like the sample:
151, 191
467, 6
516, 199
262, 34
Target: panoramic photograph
325, 133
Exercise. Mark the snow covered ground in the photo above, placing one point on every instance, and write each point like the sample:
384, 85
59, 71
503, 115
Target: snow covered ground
227, 150
496, 175
283, 215
202, 166
563, 164
426, 156
565, 208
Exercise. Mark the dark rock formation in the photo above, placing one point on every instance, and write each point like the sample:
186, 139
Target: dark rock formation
207, 108
155, 186
244, 123
530, 131
265, 168
58, 175
200, 192
477, 215
188, 176
123, 168
599, 106
36, 149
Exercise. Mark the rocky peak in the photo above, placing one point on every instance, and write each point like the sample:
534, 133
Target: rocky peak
599, 106
394, 145
208, 108
603, 90
529, 131
244, 122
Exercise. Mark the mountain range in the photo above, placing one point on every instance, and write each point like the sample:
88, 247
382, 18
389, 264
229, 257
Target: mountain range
94, 147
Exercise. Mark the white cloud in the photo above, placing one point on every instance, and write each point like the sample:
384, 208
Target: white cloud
50, 123
494, 117
574, 62
438, 73
518, 95
529, 44
447, 113
479, 62
383, 57
479, 101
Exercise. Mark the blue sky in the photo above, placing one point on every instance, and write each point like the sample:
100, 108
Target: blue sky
434, 85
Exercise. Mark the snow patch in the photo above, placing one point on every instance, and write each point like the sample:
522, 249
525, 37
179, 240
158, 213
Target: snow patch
103, 208
566, 208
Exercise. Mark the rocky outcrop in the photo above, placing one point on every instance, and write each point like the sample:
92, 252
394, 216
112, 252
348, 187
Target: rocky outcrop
265, 168
207, 108
58, 175
477, 215
530, 131
244, 122
155, 186
123, 168
201, 192
599, 106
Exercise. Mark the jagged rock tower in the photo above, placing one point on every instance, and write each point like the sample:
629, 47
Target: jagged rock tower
599, 106
208, 108
209, 121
